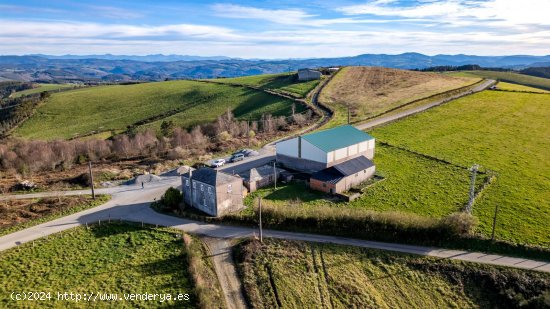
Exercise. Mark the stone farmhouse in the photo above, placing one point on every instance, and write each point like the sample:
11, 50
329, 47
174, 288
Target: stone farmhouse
213, 192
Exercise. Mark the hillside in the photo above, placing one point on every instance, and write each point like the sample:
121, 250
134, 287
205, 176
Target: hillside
283, 83
502, 131
370, 91
512, 77
105, 108
42, 87
292, 274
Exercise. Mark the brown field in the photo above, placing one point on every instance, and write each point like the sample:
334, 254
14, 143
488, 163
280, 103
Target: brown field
373, 90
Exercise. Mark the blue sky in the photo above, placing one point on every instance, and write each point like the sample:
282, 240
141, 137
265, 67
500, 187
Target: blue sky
275, 29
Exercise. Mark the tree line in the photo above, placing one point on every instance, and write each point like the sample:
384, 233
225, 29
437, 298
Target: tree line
171, 142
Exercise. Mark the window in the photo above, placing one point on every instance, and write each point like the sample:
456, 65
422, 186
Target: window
204, 201
209, 190
229, 188
357, 174
202, 187
187, 182
324, 185
365, 171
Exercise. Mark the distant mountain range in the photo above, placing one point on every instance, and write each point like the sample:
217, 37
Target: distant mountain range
115, 68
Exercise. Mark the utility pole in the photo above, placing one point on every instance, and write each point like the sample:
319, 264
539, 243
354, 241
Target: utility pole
260, 219
474, 169
248, 131
349, 121
275, 174
494, 223
91, 179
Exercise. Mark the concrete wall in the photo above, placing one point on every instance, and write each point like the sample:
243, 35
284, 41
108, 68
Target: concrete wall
353, 180
288, 147
300, 164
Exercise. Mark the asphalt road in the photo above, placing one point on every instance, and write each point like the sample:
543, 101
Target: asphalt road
393, 117
132, 204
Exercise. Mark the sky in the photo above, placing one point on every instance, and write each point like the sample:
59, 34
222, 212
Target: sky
272, 29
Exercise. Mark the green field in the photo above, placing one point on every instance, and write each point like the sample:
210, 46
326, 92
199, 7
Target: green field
517, 87
42, 88
503, 131
114, 258
412, 184
516, 78
284, 82
289, 274
105, 108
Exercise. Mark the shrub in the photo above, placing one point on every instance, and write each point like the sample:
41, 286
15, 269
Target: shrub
171, 199
460, 223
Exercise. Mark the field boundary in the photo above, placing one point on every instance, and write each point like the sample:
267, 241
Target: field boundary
442, 94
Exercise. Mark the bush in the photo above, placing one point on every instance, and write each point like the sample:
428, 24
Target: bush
460, 223
171, 199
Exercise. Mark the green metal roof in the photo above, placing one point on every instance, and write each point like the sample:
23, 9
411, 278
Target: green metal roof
337, 138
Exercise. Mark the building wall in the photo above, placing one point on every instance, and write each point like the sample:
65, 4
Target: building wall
204, 196
353, 180
288, 147
300, 164
229, 197
310, 152
308, 75
321, 186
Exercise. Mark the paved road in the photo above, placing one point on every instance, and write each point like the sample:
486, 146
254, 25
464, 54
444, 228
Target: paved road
392, 117
133, 205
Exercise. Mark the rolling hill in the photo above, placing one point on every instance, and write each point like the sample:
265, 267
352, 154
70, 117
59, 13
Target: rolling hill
369, 91
285, 83
512, 77
105, 108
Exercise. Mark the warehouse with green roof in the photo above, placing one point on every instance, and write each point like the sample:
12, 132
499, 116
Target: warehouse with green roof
320, 150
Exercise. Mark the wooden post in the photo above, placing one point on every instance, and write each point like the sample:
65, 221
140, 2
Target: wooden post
260, 219
494, 223
91, 179
248, 132
275, 174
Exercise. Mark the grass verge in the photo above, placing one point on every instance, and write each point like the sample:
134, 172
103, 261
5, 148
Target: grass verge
295, 274
46, 209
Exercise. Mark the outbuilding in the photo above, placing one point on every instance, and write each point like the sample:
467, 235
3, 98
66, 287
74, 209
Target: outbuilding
343, 176
320, 150
308, 74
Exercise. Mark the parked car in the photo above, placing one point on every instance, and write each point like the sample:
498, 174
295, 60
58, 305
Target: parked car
218, 163
237, 157
240, 151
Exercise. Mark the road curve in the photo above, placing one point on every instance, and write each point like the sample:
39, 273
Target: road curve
133, 204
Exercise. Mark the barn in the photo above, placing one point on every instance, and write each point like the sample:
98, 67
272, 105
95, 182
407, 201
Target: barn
308, 74
320, 150
343, 176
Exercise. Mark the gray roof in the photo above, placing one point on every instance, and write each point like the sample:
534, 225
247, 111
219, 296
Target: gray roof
337, 172
211, 176
260, 172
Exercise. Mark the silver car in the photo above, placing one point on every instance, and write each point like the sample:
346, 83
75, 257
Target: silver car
218, 163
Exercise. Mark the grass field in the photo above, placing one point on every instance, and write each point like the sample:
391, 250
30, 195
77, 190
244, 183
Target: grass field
516, 87
284, 82
291, 274
412, 184
42, 88
516, 78
370, 91
106, 108
505, 132
114, 258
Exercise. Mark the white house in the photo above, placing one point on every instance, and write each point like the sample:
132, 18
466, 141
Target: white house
317, 151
